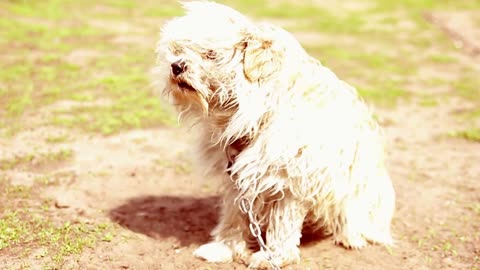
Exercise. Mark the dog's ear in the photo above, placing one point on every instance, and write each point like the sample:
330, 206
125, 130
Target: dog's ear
263, 55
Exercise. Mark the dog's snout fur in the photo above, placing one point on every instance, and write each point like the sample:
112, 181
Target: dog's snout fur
178, 67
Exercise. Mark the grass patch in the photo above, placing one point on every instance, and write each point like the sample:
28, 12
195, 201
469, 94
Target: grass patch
180, 167
17, 191
48, 9
442, 59
12, 230
55, 38
423, 5
17, 105
54, 139
164, 11
130, 107
475, 114
42, 87
468, 87
476, 208
355, 62
123, 4
306, 16
435, 82
428, 101
472, 134
386, 97
33, 228
52, 80
14, 72
37, 160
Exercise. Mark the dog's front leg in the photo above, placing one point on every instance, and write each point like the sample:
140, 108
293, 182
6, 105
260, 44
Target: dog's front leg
283, 233
229, 235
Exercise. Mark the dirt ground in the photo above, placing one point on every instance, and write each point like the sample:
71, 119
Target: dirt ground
144, 182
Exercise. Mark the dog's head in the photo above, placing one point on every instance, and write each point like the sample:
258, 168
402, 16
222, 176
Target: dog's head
212, 55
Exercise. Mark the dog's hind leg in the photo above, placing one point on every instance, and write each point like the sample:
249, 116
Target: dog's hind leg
366, 216
382, 207
348, 226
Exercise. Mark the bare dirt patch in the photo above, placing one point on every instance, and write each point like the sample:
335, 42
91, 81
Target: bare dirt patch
461, 26
82, 57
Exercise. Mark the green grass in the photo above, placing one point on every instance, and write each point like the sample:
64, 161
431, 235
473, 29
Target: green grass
110, 119
29, 223
476, 208
52, 79
123, 4
41, 89
442, 59
55, 38
163, 11
472, 134
25, 227
371, 62
474, 114
54, 139
18, 104
415, 6
428, 101
180, 167
36, 159
387, 97
48, 9
130, 107
468, 86
307, 16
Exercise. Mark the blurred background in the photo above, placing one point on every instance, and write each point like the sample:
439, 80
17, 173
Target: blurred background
79, 51
82, 131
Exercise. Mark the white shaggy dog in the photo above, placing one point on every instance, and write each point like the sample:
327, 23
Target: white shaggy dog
295, 145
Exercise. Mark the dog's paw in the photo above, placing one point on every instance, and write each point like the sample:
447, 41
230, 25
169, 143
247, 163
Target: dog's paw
241, 253
351, 242
259, 260
216, 252
383, 238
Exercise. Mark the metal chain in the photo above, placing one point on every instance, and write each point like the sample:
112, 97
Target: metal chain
246, 208
255, 230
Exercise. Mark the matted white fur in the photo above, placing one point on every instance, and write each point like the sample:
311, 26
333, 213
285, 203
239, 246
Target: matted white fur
297, 140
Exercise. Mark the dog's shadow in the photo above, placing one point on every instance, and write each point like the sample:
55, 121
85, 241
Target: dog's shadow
188, 219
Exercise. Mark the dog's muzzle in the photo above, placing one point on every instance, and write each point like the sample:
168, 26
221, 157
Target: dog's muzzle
178, 67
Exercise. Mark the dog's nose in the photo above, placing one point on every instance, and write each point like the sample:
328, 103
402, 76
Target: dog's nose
178, 67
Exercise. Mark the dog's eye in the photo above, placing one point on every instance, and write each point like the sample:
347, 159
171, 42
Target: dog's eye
211, 54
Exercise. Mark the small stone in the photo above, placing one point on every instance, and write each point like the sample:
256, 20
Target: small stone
448, 261
61, 205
